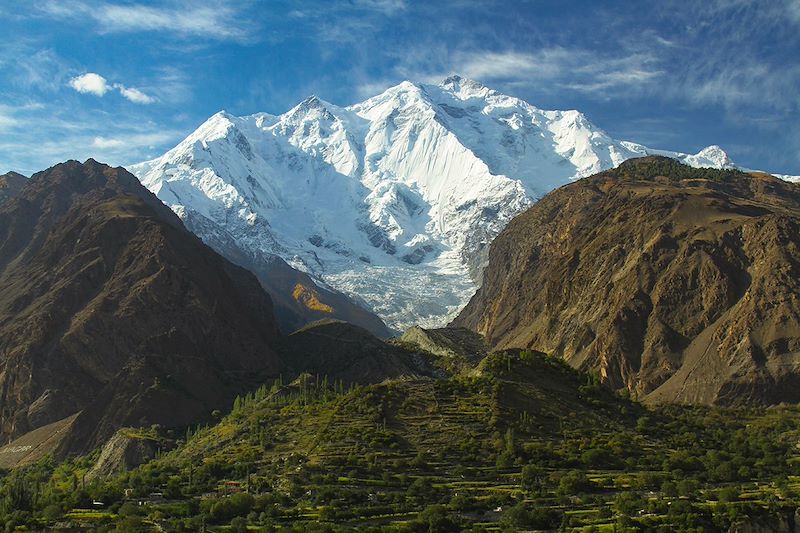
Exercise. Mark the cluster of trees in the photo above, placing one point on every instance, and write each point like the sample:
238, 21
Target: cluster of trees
672, 169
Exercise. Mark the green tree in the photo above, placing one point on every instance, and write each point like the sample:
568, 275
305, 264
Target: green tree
438, 519
573, 483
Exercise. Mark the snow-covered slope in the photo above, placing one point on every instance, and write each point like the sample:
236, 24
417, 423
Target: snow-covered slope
393, 200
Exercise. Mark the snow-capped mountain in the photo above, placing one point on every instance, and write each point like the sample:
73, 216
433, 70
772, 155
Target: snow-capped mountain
393, 200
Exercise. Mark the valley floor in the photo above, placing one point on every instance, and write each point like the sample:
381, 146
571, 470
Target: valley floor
522, 443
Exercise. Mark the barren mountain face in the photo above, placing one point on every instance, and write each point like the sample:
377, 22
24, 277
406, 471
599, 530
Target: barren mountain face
110, 308
678, 284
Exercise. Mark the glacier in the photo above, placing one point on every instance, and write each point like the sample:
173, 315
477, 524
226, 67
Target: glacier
392, 201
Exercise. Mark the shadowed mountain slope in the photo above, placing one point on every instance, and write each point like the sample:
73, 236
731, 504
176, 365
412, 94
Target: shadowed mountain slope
348, 353
110, 308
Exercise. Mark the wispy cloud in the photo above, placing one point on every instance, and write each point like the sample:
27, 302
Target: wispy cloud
134, 95
220, 21
793, 8
345, 22
550, 69
169, 84
93, 83
577, 69
105, 143
388, 7
6, 121
128, 141
487, 65
27, 66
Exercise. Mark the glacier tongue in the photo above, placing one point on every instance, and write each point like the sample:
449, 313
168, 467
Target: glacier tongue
393, 200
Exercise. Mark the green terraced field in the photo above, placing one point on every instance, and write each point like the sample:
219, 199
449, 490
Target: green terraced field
521, 443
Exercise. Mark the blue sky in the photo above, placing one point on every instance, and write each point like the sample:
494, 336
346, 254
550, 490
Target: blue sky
122, 81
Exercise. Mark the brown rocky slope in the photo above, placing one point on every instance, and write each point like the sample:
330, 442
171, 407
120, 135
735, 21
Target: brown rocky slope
678, 284
111, 308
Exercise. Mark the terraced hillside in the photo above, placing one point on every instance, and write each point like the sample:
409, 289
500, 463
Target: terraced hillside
520, 442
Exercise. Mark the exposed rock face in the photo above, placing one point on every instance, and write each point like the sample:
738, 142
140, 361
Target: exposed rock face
127, 449
787, 522
111, 308
679, 284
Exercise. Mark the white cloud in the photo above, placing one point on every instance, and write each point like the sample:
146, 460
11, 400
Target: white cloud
90, 83
9, 115
793, 6
122, 141
370, 88
134, 95
496, 65
748, 84
30, 67
125, 143
170, 85
93, 83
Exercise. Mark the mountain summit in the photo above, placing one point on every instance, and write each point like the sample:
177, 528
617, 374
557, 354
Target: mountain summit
10, 185
391, 201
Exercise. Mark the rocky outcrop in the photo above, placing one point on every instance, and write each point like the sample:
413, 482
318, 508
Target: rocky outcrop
678, 284
777, 522
35, 445
127, 449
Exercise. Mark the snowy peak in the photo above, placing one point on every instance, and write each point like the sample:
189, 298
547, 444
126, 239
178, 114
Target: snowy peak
393, 200
216, 127
464, 88
711, 156
312, 108
404, 98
